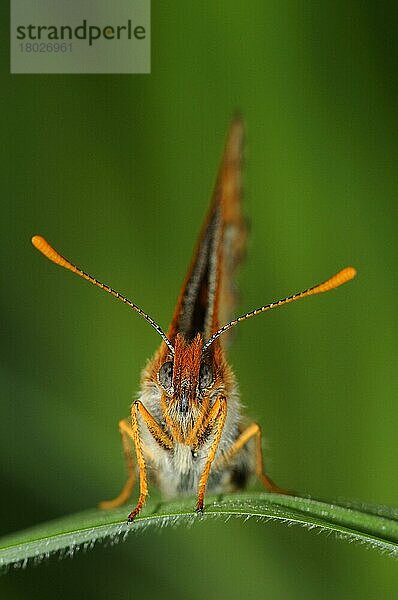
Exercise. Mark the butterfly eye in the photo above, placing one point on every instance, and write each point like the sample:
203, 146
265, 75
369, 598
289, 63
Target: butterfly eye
206, 376
165, 375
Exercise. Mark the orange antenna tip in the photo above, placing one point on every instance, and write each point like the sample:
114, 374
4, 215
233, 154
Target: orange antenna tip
341, 277
49, 252
38, 241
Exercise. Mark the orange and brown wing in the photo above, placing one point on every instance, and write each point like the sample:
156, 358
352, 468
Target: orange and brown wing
207, 295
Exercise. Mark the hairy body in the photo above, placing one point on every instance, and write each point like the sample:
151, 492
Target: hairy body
178, 472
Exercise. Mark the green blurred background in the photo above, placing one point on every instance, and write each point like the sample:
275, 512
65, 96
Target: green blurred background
117, 171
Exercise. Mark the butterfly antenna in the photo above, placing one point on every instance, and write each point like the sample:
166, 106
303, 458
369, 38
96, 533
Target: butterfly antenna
44, 247
341, 277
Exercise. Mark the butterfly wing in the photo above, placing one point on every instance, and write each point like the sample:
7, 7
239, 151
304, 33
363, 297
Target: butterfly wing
208, 294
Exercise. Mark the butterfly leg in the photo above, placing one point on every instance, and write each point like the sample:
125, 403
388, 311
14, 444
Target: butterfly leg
159, 435
126, 434
216, 419
253, 431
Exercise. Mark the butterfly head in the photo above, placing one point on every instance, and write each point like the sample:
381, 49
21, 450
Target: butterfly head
188, 375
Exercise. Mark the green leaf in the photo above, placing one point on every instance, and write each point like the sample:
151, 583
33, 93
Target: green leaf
376, 526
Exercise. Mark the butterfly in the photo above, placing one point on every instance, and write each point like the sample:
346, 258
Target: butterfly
186, 433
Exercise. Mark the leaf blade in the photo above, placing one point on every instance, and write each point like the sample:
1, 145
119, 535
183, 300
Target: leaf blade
376, 526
